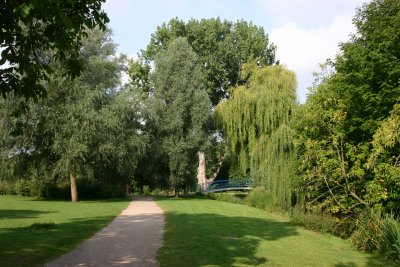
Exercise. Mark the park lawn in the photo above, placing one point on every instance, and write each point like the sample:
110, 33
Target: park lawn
203, 232
34, 231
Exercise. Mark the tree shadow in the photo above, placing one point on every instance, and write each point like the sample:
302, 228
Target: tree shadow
216, 240
21, 214
373, 261
29, 246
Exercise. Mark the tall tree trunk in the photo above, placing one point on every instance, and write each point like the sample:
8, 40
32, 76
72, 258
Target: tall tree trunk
201, 171
74, 191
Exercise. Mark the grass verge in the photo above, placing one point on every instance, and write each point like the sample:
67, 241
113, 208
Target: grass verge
33, 231
203, 232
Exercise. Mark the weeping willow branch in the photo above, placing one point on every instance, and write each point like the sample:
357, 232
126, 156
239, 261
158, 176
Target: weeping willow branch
256, 122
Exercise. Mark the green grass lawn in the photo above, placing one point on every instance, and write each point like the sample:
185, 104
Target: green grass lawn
202, 232
35, 231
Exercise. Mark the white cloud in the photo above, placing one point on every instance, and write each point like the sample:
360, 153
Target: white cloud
302, 50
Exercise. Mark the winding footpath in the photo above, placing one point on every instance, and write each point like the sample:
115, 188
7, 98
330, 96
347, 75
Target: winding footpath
131, 239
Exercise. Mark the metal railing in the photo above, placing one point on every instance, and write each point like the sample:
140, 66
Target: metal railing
229, 185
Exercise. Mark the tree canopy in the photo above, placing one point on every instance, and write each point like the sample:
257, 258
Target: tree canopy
222, 47
181, 109
256, 122
87, 129
348, 128
35, 32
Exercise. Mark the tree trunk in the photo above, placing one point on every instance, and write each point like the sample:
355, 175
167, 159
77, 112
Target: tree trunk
74, 191
176, 193
201, 170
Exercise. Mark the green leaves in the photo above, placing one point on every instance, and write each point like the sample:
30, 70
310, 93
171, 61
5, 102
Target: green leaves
181, 111
256, 122
221, 46
32, 28
348, 129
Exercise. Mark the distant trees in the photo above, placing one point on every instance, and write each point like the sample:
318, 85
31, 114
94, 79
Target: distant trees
222, 47
181, 110
30, 29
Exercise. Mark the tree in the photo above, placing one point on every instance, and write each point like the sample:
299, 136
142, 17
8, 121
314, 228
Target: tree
347, 128
331, 173
222, 48
181, 110
256, 122
368, 68
32, 28
86, 129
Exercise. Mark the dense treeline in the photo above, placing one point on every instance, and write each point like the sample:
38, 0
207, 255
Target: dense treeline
333, 162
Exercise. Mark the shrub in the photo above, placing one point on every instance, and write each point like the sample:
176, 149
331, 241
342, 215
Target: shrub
146, 190
377, 232
22, 188
320, 222
7, 188
369, 231
390, 242
226, 197
158, 192
261, 199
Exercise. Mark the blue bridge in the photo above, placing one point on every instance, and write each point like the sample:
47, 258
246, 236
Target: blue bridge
229, 185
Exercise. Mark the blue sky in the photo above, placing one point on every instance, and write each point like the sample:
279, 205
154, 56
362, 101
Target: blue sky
306, 31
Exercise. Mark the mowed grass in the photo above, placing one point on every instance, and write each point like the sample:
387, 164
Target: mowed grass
34, 231
202, 232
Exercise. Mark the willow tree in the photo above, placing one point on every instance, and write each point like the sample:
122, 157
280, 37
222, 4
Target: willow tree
256, 122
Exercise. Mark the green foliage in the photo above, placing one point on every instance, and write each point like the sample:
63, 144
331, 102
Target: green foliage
390, 245
30, 29
256, 122
88, 126
384, 160
146, 190
222, 48
322, 223
181, 111
331, 168
378, 232
368, 68
260, 199
226, 197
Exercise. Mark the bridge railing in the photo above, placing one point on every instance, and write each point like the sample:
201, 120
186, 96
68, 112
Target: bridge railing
222, 185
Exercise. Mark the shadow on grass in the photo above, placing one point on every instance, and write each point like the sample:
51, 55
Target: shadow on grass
373, 261
207, 239
211, 239
21, 214
28, 246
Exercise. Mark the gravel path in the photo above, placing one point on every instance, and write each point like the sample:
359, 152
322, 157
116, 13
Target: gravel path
132, 239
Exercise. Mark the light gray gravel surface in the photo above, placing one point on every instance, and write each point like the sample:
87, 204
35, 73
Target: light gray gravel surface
132, 239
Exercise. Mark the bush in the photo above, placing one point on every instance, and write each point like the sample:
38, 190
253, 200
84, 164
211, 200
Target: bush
390, 242
6, 188
146, 190
377, 232
369, 231
22, 188
226, 197
320, 222
260, 199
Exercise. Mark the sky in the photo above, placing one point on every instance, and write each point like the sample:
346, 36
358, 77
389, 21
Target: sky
306, 32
